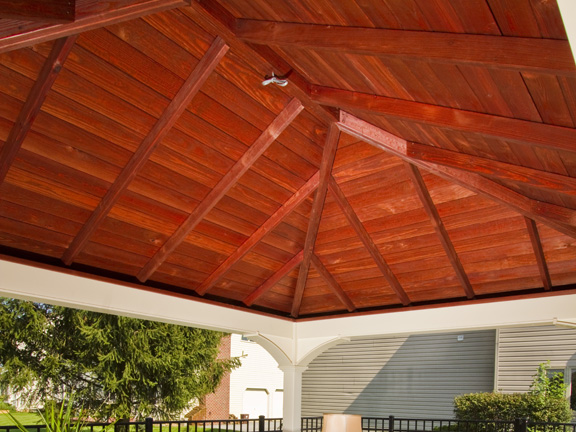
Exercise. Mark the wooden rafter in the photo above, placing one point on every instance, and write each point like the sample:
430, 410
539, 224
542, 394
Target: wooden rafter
176, 107
514, 130
281, 122
368, 242
48, 11
526, 54
31, 108
492, 168
316, 213
559, 218
89, 23
439, 227
539, 253
332, 283
274, 279
272, 222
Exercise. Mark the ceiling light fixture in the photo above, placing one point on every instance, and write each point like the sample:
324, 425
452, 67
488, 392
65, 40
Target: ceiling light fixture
281, 81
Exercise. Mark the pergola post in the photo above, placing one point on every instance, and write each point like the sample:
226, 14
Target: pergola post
292, 411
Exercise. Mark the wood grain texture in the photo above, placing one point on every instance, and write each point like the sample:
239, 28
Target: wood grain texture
368, 242
550, 55
513, 130
539, 253
47, 76
294, 201
149, 144
227, 182
52, 11
560, 218
490, 128
438, 225
58, 31
316, 213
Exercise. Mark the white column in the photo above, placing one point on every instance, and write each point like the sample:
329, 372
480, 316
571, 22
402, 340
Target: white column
292, 397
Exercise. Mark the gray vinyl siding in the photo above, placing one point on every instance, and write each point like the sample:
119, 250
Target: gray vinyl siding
410, 376
521, 350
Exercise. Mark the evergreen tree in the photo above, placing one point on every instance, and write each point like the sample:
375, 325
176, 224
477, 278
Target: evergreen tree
115, 367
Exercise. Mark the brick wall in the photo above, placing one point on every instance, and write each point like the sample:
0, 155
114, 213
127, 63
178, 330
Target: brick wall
218, 403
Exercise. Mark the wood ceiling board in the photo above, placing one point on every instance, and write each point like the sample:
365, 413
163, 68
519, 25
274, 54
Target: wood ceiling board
515, 18
117, 83
9, 27
25, 39
548, 98
422, 293
517, 53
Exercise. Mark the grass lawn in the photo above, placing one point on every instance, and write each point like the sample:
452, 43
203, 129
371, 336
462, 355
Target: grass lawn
24, 418
29, 419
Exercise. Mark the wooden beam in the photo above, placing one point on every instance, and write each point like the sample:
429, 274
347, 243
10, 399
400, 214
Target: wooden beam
316, 213
516, 53
439, 227
559, 218
281, 122
272, 222
169, 117
368, 242
492, 168
332, 283
31, 108
539, 253
514, 130
274, 279
47, 11
57, 31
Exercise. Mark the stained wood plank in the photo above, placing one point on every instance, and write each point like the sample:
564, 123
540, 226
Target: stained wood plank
316, 214
274, 279
493, 168
332, 283
52, 11
84, 24
551, 55
515, 18
539, 253
430, 208
263, 230
511, 129
549, 99
47, 76
147, 147
227, 182
217, 20
368, 242
560, 218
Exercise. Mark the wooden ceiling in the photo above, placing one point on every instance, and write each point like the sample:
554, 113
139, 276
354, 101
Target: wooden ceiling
423, 152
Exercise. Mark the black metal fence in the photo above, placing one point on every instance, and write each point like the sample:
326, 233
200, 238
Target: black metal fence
261, 424
314, 424
396, 424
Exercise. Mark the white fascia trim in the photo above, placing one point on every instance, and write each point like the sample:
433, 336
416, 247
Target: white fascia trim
54, 287
489, 315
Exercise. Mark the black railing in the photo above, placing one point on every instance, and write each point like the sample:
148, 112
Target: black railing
314, 424
397, 424
261, 424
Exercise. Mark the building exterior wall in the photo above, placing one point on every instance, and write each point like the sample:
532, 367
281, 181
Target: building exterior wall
217, 404
521, 350
408, 376
256, 387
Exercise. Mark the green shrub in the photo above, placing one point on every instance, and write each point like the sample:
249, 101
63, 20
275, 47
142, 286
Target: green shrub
5, 406
546, 402
508, 407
